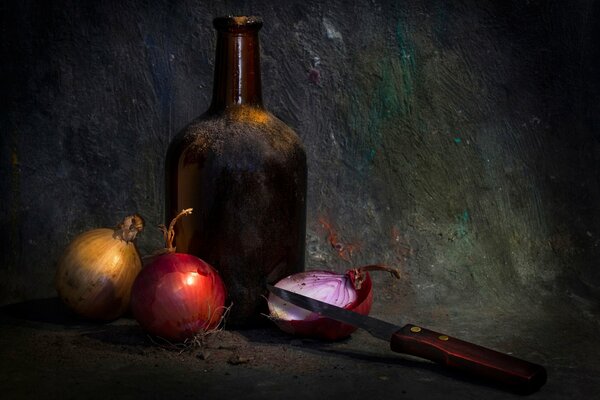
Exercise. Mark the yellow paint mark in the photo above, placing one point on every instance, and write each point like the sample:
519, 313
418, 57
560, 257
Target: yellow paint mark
14, 158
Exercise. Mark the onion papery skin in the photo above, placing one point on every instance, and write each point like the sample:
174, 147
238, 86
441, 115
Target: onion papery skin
95, 274
177, 296
294, 320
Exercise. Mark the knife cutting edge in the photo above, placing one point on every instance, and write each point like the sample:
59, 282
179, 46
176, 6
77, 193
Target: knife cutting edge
510, 372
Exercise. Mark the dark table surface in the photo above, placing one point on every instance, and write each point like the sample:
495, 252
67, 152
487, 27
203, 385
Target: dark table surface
45, 352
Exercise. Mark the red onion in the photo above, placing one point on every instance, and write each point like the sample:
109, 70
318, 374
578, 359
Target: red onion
352, 290
178, 295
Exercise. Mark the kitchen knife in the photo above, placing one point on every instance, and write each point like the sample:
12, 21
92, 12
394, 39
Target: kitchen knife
507, 371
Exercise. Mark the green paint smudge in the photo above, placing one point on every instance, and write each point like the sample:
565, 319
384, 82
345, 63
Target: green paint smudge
372, 155
440, 21
457, 140
385, 104
407, 65
390, 100
463, 220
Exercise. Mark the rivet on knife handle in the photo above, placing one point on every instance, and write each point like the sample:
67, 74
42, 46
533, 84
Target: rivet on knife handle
520, 375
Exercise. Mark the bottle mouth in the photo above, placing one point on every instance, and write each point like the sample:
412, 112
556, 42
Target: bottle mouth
238, 23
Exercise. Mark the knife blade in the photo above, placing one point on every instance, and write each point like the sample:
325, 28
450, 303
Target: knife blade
502, 369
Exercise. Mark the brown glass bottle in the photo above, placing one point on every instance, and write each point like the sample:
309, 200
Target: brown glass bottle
243, 171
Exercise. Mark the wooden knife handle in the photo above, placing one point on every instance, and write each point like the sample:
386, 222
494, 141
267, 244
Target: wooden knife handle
502, 369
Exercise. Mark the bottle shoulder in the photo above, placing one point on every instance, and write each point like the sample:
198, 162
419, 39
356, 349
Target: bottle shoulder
237, 131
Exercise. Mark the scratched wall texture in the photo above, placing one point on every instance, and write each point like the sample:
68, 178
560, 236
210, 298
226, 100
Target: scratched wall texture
457, 140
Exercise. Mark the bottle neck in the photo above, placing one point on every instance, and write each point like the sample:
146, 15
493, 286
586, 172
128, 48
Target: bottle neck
237, 70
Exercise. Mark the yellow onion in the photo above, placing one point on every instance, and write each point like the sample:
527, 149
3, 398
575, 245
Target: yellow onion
96, 272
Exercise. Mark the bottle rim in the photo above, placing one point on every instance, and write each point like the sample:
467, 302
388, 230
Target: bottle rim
238, 23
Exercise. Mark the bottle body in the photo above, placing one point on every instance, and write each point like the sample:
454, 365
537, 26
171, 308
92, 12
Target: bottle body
243, 171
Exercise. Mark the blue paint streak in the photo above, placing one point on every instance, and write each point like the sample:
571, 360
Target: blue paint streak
160, 69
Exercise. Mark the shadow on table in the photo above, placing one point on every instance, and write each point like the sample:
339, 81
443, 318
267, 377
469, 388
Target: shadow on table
437, 369
52, 314
45, 311
314, 346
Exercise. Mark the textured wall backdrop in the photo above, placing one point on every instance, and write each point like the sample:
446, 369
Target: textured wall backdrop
457, 140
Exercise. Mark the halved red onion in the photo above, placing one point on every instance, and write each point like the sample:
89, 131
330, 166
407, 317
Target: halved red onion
352, 291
